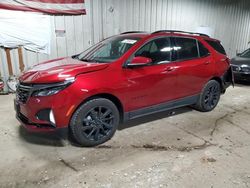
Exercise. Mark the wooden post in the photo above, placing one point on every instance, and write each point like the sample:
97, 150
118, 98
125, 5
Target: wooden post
20, 58
7, 51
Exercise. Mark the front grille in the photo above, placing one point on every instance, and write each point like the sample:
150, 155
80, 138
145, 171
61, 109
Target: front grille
23, 92
245, 69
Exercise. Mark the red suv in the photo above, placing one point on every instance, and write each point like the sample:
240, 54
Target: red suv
121, 78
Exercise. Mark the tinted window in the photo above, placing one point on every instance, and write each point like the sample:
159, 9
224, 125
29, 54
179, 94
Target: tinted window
159, 50
217, 46
185, 48
203, 50
246, 54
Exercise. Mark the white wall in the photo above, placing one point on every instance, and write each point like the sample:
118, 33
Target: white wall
230, 20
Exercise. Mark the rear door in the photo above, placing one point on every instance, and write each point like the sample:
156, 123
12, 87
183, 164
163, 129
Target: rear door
194, 66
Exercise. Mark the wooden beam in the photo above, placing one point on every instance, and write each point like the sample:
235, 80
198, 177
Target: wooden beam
20, 58
7, 51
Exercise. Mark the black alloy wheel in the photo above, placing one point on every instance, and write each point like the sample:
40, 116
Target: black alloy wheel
209, 97
98, 123
212, 96
95, 122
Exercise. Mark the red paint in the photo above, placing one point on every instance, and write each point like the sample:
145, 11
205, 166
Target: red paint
141, 61
58, 70
134, 87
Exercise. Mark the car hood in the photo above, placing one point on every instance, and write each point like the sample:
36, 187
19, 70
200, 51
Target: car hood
59, 70
240, 61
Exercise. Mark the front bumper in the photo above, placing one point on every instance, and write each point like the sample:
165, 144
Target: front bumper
242, 76
35, 126
32, 113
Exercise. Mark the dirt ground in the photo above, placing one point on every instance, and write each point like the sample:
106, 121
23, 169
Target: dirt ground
187, 149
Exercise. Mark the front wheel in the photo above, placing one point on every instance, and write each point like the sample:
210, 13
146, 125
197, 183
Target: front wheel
209, 97
94, 122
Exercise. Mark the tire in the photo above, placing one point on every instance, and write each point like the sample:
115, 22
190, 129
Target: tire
209, 97
94, 122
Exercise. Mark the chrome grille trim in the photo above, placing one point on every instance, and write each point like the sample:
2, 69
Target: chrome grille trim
23, 92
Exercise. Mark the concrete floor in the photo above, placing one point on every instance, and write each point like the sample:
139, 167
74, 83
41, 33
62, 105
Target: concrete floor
191, 149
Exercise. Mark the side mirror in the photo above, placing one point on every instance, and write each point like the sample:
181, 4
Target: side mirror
139, 61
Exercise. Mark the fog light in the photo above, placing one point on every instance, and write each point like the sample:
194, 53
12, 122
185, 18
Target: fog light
51, 117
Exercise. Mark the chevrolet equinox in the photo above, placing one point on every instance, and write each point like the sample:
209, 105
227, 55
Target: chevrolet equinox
121, 78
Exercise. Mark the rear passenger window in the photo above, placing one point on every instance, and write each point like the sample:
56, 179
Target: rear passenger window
186, 48
203, 50
217, 46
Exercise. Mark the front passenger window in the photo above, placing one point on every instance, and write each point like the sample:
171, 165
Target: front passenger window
159, 50
186, 48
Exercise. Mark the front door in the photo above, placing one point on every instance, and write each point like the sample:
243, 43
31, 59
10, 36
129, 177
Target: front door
155, 83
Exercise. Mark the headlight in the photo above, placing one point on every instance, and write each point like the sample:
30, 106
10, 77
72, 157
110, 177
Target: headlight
50, 89
47, 92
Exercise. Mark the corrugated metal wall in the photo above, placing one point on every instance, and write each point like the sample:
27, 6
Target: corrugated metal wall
229, 18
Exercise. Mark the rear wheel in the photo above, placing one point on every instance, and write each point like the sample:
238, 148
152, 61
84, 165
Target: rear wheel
209, 97
94, 122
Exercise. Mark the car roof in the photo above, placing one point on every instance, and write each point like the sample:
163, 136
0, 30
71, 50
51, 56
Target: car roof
142, 34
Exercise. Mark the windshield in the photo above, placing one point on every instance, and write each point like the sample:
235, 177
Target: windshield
108, 50
246, 54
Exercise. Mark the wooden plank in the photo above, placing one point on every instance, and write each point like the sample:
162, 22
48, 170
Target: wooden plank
20, 59
10, 69
14, 60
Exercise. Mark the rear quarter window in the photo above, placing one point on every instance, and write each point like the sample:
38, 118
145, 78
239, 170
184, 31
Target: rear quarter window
203, 50
216, 45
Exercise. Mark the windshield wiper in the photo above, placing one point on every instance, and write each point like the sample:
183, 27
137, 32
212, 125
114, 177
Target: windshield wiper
87, 60
75, 56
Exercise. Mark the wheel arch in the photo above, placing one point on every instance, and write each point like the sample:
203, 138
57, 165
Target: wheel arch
108, 96
218, 79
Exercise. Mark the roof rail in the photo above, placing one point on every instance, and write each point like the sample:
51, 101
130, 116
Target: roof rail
177, 31
128, 32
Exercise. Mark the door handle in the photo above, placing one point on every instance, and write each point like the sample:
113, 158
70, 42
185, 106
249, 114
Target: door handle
207, 62
168, 70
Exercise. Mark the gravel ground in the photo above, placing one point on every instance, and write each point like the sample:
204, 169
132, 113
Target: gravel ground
187, 149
